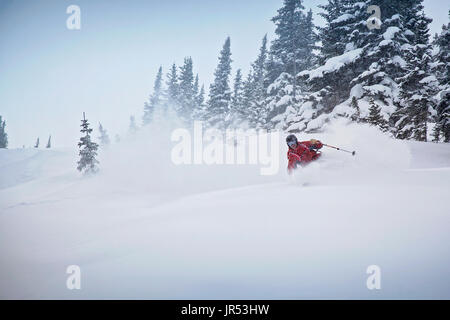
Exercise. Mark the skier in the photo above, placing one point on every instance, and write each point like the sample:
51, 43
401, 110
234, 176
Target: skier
301, 152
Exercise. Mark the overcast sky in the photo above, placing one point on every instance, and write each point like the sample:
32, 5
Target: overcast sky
49, 75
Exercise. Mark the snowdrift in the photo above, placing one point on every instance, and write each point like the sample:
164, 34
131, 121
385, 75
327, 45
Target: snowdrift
146, 228
379, 159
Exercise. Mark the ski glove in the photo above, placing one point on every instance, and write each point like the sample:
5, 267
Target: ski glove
315, 144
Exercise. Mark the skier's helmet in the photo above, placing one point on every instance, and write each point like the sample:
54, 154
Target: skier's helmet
291, 140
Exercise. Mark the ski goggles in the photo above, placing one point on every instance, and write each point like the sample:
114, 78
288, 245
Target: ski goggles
292, 143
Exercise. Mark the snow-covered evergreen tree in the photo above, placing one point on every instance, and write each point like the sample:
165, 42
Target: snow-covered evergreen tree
104, 137
356, 116
248, 95
292, 51
418, 86
200, 106
342, 41
332, 35
172, 91
154, 107
3, 134
308, 33
442, 68
88, 150
259, 71
273, 67
362, 62
258, 103
383, 54
375, 117
293, 46
49, 142
253, 91
441, 130
36, 145
281, 106
217, 113
186, 93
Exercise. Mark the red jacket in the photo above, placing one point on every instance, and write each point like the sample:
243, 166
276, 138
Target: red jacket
304, 153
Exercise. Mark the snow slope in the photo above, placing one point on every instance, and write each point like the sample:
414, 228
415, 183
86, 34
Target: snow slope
145, 228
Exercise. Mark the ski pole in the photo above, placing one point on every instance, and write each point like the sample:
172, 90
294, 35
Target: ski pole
352, 152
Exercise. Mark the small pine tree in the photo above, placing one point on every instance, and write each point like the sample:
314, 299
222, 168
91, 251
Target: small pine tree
375, 117
36, 145
88, 150
356, 116
104, 137
132, 129
49, 142
200, 107
154, 104
3, 134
